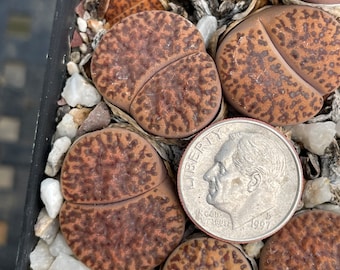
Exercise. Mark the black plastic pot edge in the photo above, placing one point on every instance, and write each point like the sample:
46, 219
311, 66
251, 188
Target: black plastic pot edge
54, 80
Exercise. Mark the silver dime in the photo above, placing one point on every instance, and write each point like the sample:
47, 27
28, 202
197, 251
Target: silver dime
240, 180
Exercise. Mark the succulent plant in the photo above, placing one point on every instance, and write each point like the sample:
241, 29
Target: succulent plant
120, 209
153, 65
310, 240
113, 11
206, 253
279, 63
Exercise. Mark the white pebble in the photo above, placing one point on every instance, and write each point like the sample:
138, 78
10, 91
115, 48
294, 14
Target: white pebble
84, 37
87, 15
315, 137
83, 48
316, 192
329, 207
51, 196
40, 257
55, 157
253, 249
78, 91
82, 25
64, 261
46, 228
207, 26
66, 127
59, 246
72, 67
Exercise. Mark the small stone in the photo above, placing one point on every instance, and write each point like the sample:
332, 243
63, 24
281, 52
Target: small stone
80, 114
46, 227
83, 48
337, 129
315, 137
253, 249
79, 10
66, 127
316, 192
72, 67
51, 196
207, 26
95, 25
64, 261
55, 157
329, 207
97, 119
82, 25
76, 40
59, 246
79, 91
61, 103
87, 15
75, 57
40, 257
84, 37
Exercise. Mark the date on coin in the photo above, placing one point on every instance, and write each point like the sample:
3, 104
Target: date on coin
240, 180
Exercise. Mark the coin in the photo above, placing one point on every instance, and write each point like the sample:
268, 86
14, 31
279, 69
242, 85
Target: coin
240, 180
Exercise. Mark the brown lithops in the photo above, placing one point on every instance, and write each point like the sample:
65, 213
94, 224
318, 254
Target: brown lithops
117, 10
206, 253
278, 64
153, 65
121, 210
310, 240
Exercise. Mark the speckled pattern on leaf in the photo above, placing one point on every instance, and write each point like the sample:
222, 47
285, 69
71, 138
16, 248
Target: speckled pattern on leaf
206, 253
310, 240
162, 52
277, 65
121, 210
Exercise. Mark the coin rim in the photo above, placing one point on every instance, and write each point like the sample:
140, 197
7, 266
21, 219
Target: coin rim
300, 179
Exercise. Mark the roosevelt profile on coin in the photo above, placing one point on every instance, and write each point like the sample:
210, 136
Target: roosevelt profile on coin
248, 172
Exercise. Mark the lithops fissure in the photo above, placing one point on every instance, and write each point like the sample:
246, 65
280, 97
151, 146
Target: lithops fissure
120, 209
278, 64
206, 253
154, 66
309, 241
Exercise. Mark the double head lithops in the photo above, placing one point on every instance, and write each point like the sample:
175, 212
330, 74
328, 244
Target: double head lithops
120, 209
153, 65
279, 63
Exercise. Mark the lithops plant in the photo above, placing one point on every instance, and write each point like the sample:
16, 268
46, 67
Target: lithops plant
206, 253
279, 63
331, 6
120, 209
310, 240
153, 65
113, 11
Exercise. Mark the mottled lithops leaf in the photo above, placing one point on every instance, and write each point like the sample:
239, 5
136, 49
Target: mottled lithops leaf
120, 9
168, 106
278, 64
110, 165
153, 65
206, 253
121, 210
310, 240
